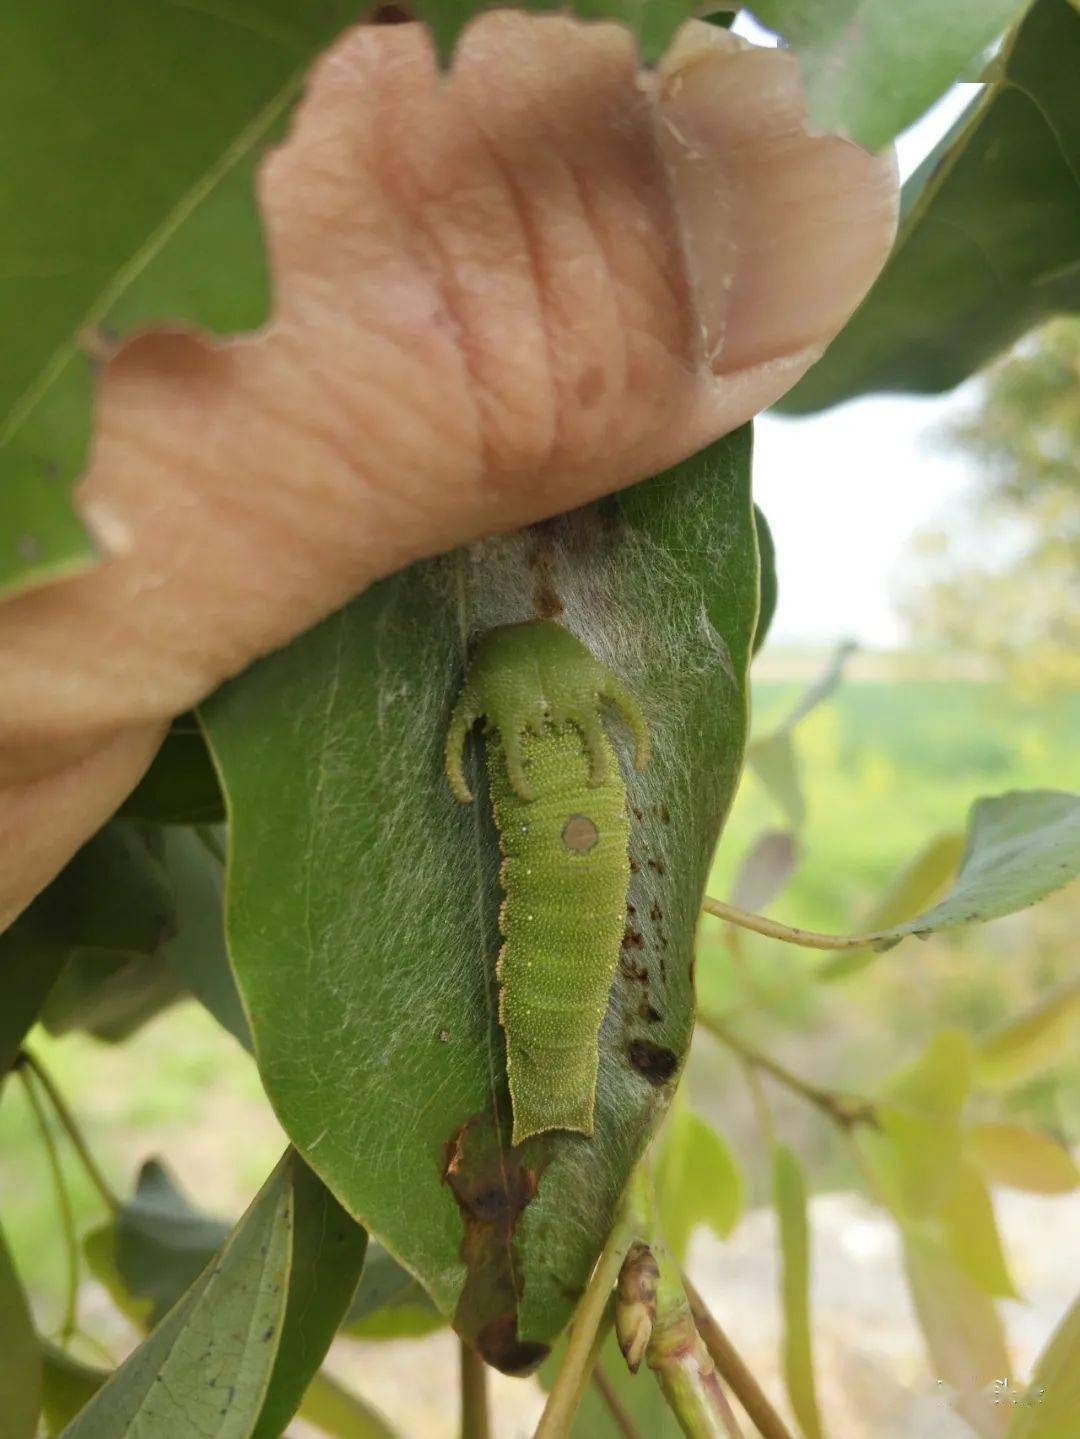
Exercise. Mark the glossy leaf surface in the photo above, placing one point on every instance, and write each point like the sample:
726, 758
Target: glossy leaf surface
989, 238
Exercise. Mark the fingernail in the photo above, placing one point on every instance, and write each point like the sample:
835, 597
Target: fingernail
705, 198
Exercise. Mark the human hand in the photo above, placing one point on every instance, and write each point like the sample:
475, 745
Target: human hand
498, 296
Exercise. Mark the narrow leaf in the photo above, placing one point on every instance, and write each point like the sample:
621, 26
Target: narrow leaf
765, 870
327, 1257
1052, 1402
774, 760
363, 898
129, 202
697, 1181
204, 1371
1043, 1036
961, 1328
1020, 1158
109, 994
988, 241
871, 67
789, 1196
20, 1356
972, 1234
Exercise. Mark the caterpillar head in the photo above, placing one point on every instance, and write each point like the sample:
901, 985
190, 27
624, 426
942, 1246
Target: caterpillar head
524, 677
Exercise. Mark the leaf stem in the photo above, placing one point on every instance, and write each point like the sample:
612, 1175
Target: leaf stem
844, 1109
588, 1329
773, 929
732, 1369
475, 1419
619, 1417
74, 1133
70, 1322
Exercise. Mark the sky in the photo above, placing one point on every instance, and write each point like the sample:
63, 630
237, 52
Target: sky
846, 491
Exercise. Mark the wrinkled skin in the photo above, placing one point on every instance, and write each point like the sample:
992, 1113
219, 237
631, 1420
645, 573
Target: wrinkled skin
497, 297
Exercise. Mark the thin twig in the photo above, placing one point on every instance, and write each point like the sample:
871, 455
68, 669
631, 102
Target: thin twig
773, 929
845, 1109
475, 1418
586, 1335
70, 1321
71, 1128
732, 1369
622, 1421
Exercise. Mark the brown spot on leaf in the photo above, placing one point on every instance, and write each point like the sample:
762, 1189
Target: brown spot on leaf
657, 865
498, 1343
632, 939
656, 1063
633, 971
650, 1013
656, 914
492, 1188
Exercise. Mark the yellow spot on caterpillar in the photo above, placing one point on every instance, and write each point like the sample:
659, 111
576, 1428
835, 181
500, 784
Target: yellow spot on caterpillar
579, 833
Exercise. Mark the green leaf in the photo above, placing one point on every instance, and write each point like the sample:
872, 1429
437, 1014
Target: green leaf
988, 241
789, 1196
180, 787
765, 869
327, 1257
1019, 848
922, 881
768, 588
652, 22
197, 955
697, 1180
1022, 1158
20, 1356
109, 993
159, 1259
338, 1412
363, 898
1052, 1403
204, 1371
872, 67
156, 1248
774, 759
113, 895
960, 1325
915, 1152
1043, 1036
971, 1232
128, 202
68, 1385
389, 1304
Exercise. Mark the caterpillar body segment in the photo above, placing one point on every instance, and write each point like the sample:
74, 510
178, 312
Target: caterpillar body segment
559, 803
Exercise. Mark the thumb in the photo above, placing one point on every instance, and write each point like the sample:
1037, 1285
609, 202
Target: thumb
497, 295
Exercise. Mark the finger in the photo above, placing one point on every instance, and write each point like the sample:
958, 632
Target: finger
45, 818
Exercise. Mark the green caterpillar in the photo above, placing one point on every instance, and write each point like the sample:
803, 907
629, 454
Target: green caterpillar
560, 806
